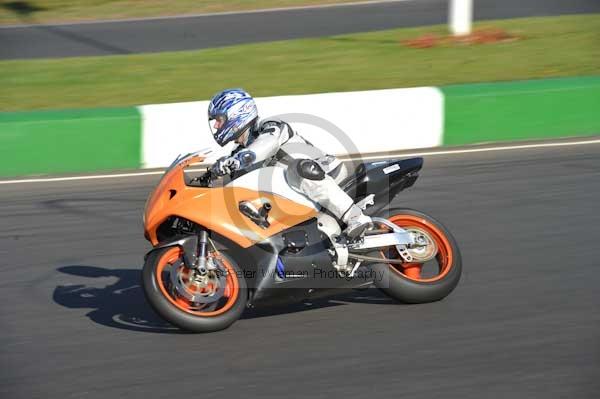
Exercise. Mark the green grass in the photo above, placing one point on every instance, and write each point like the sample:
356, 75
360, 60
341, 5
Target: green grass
46, 11
551, 47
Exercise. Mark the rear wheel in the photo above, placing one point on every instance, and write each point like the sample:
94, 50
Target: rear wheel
190, 301
436, 266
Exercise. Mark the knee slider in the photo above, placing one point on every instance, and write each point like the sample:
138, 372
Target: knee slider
309, 169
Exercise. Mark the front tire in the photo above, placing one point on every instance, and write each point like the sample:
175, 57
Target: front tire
182, 313
406, 282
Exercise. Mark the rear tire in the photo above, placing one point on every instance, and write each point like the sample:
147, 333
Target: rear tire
404, 282
178, 311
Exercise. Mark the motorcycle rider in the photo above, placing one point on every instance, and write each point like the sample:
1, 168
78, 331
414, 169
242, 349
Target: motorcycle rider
233, 116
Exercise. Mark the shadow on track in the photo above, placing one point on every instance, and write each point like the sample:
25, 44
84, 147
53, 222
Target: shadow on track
123, 305
119, 305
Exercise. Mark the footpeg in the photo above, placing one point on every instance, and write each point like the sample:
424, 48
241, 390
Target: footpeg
357, 231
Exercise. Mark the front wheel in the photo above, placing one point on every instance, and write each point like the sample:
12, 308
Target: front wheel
436, 266
189, 301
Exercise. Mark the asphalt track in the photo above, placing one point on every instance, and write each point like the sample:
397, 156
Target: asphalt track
523, 322
197, 32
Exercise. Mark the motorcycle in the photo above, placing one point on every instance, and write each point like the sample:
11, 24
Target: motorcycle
222, 246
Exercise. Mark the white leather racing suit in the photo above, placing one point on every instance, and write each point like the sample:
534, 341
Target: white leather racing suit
308, 169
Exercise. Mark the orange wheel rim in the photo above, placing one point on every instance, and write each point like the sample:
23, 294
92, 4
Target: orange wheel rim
231, 292
444, 256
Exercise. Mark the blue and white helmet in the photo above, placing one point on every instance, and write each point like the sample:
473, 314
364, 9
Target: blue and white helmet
236, 110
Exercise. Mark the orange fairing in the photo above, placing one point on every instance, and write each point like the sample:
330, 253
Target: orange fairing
217, 208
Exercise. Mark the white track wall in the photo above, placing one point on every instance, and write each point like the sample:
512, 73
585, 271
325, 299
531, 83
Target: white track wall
339, 123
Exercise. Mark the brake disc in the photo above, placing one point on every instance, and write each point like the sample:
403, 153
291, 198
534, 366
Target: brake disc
196, 288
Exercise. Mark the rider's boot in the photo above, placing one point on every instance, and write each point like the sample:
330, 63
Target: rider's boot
356, 222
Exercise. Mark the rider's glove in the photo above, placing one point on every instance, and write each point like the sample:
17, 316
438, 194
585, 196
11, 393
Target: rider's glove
226, 165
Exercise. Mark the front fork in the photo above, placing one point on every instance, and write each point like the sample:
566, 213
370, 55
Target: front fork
195, 250
202, 251
203, 265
